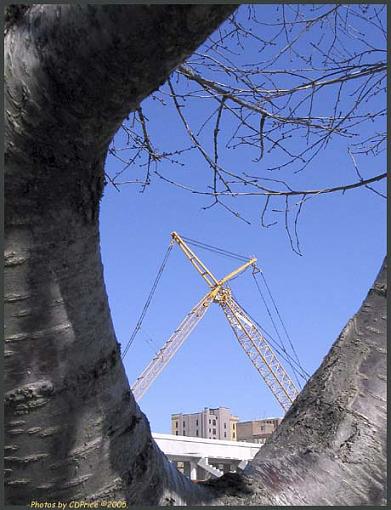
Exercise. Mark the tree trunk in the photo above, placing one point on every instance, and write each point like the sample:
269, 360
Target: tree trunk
330, 449
72, 427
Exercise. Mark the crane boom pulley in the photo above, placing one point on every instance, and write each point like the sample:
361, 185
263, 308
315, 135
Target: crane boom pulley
248, 335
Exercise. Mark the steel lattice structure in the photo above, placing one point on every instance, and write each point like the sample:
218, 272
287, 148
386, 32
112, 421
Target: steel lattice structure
247, 333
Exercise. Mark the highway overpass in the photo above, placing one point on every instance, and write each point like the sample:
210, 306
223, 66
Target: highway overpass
201, 458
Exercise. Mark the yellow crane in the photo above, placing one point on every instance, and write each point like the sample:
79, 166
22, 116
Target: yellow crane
247, 333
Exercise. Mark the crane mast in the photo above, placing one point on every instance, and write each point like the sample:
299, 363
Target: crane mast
259, 351
250, 338
172, 345
197, 263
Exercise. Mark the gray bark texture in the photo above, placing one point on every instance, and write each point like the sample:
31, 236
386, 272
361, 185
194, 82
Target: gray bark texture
330, 449
72, 427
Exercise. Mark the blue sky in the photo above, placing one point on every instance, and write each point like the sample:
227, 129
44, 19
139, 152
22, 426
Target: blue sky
342, 240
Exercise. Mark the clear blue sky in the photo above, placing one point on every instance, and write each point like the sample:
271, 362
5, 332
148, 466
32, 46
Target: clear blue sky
343, 243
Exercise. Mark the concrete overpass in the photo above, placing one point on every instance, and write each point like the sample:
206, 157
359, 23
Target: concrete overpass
201, 458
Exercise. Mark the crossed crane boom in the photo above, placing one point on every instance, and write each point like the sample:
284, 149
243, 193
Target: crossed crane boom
247, 333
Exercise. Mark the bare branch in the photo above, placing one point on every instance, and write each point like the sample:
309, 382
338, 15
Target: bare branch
320, 81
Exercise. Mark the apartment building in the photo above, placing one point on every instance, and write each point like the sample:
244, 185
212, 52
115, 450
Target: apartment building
216, 423
256, 431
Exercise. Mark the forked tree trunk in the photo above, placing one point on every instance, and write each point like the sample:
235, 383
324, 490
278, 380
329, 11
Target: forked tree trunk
72, 427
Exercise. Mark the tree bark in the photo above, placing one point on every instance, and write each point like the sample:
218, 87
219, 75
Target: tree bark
72, 427
330, 449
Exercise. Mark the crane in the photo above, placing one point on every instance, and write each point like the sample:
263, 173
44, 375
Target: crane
246, 331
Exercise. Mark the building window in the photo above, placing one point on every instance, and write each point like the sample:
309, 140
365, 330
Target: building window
184, 433
196, 422
225, 425
214, 422
197, 433
233, 435
214, 431
176, 432
209, 422
176, 424
183, 423
209, 431
225, 434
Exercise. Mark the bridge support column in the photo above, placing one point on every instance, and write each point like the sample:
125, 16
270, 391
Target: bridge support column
193, 470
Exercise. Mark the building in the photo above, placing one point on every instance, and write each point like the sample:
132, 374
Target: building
210, 424
256, 431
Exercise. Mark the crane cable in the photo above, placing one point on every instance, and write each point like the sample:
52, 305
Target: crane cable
242, 258
276, 330
216, 250
279, 316
297, 361
148, 302
298, 369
